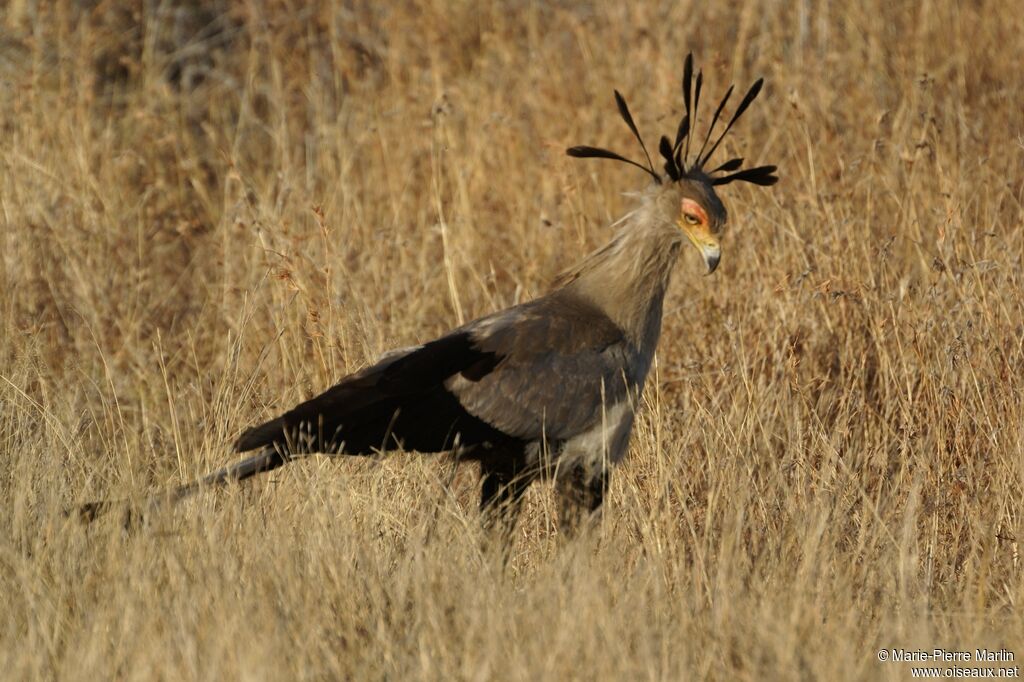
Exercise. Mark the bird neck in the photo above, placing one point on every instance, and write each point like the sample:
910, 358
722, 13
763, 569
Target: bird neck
627, 277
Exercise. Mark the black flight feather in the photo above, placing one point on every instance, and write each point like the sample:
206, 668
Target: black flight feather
628, 118
747, 99
762, 175
584, 152
403, 397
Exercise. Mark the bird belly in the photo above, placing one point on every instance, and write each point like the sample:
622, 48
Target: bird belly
601, 446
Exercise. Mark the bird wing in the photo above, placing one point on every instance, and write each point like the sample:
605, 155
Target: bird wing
562, 364
401, 397
544, 369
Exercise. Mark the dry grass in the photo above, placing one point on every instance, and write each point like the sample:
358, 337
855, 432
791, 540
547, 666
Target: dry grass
209, 216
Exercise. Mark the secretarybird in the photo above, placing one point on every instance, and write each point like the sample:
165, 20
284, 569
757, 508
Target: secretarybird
547, 388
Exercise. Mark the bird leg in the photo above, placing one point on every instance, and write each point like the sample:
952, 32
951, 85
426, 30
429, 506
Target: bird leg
502, 486
581, 492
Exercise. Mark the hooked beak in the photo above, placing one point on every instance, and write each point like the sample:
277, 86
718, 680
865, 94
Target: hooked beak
712, 254
708, 246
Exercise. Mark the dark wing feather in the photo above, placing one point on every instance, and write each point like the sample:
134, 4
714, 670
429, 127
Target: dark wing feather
401, 399
563, 363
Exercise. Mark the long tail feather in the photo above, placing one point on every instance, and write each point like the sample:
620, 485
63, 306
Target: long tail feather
266, 460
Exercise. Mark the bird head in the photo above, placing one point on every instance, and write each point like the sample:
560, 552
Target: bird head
701, 214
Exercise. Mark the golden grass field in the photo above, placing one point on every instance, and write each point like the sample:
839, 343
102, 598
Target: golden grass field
210, 214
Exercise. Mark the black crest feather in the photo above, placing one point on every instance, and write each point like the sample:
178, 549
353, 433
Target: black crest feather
682, 131
665, 149
676, 153
762, 175
584, 152
728, 166
714, 120
693, 114
628, 118
747, 99
687, 81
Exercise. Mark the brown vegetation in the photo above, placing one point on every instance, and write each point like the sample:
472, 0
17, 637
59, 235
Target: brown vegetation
208, 215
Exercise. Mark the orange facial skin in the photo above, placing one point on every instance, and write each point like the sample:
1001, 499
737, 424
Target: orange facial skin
693, 221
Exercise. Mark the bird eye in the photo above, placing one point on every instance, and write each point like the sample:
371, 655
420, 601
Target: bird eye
692, 219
